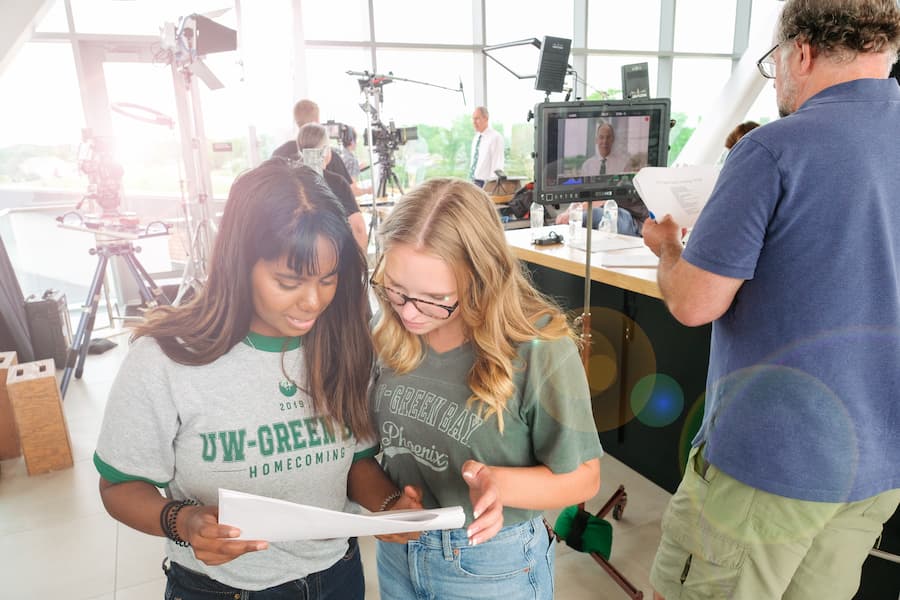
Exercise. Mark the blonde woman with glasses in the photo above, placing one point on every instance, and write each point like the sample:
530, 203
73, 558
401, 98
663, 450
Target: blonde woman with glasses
479, 398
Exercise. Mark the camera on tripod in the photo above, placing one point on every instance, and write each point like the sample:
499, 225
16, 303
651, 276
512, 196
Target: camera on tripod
95, 159
390, 137
339, 132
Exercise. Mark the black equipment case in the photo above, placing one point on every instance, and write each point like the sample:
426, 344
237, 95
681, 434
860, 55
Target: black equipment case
51, 331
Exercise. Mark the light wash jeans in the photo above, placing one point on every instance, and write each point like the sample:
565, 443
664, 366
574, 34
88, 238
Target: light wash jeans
516, 564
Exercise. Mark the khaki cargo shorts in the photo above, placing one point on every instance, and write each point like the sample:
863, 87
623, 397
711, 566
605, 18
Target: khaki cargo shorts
724, 539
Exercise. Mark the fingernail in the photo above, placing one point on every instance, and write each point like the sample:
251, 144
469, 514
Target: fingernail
476, 514
473, 541
468, 475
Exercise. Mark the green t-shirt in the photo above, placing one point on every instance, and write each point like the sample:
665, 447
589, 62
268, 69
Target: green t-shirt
427, 432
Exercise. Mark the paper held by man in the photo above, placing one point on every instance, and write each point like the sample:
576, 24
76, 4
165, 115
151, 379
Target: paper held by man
678, 191
273, 520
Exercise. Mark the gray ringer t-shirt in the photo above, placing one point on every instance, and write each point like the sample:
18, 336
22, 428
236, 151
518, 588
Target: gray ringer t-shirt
236, 423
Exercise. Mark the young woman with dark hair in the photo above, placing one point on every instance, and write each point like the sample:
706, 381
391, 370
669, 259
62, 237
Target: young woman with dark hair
258, 384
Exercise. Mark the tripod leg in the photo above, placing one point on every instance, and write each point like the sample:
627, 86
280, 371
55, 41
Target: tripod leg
397, 182
145, 282
78, 351
382, 187
380, 193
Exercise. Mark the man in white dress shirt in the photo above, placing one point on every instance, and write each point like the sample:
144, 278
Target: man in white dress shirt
606, 160
487, 149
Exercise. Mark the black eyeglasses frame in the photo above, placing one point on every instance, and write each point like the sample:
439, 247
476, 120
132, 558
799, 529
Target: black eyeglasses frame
415, 301
768, 55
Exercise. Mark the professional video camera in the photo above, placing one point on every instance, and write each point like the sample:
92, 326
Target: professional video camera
390, 137
338, 131
95, 159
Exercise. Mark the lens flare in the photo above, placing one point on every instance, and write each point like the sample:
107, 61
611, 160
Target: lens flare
657, 400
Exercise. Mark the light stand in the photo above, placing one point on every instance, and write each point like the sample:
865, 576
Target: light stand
195, 201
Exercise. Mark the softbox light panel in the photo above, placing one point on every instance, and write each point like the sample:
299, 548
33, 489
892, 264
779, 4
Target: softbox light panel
212, 37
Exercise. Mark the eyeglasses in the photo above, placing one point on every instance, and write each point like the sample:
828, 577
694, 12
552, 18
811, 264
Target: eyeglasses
426, 307
766, 64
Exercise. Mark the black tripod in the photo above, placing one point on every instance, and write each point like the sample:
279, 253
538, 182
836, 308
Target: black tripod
151, 294
386, 176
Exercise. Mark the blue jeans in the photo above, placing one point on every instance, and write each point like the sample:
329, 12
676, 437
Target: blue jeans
341, 581
517, 563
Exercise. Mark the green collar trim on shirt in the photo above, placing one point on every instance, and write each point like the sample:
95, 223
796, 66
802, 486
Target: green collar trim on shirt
271, 344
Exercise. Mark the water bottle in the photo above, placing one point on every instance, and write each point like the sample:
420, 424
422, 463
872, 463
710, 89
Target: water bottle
576, 212
537, 219
610, 221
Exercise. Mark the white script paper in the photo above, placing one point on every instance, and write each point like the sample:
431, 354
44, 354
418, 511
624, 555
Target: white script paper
603, 241
678, 191
273, 520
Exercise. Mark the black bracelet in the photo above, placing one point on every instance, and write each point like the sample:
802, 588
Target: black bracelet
390, 500
168, 520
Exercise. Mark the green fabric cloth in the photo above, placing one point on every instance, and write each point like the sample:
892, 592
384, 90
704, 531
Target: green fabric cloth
597, 536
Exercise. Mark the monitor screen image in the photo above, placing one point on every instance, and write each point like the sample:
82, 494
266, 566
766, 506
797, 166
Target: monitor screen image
591, 150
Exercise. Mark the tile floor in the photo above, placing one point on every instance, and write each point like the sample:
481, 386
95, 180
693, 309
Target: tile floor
56, 540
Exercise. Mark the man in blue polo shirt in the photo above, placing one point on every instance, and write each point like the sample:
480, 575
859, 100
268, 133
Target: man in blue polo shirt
796, 261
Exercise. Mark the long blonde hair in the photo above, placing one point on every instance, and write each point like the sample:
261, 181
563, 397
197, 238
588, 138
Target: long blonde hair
500, 308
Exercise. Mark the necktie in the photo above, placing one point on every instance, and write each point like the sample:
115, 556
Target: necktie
475, 158
603, 166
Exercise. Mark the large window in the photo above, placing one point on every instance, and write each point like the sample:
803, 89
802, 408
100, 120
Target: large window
42, 110
423, 22
704, 26
604, 74
632, 25
337, 93
444, 121
696, 82
338, 20
270, 71
510, 20
142, 17
41, 119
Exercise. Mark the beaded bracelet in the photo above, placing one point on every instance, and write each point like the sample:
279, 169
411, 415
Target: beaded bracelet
389, 500
168, 518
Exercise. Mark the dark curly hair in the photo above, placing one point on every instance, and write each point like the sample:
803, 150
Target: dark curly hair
843, 28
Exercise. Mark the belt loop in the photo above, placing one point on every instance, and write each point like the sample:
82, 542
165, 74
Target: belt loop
446, 544
702, 463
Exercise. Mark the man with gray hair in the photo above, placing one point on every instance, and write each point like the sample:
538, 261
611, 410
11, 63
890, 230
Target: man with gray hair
314, 151
307, 111
487, 149
795, 260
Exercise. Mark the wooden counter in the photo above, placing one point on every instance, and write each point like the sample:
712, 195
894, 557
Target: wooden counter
571, 260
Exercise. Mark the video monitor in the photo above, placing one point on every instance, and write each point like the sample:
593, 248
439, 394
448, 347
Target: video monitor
591, 150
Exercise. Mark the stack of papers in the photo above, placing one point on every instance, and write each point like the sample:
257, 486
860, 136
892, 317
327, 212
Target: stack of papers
681, 192
630, 261
273, 520
604, 242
